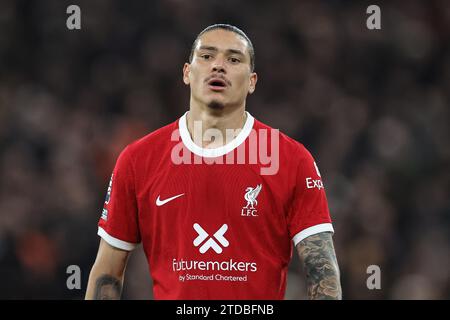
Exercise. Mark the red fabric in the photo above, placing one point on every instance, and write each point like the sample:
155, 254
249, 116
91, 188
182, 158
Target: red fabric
259, 246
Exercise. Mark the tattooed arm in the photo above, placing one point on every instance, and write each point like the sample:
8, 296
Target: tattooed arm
106, 277
319, 262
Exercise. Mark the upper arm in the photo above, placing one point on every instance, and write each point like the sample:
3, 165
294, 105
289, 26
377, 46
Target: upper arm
318, 258
308, 211
119, 223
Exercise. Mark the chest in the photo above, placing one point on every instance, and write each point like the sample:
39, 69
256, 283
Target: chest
213, 194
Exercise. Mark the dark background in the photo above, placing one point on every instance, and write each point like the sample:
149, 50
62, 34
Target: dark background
372, 106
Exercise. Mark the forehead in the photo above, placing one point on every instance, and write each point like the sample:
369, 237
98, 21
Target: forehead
222, 40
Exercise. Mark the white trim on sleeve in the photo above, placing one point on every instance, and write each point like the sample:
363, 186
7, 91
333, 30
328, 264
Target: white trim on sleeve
128, 246
318, 228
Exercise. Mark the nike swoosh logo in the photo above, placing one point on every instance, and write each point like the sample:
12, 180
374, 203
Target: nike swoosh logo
163, 202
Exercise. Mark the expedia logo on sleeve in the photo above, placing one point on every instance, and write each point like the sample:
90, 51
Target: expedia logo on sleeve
314, 183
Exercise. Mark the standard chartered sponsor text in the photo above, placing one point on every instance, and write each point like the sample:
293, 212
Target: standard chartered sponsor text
229, 265
217, 277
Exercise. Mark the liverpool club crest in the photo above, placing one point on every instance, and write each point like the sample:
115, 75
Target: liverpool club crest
250, 196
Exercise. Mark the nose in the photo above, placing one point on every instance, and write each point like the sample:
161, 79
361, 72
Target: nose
218, 65
218, 69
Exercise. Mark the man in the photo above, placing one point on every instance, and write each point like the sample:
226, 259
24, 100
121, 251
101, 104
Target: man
215, 222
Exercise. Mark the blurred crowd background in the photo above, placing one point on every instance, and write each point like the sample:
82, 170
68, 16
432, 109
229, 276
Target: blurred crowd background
372, 106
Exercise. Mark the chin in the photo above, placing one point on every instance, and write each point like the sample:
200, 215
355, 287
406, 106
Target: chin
216, 105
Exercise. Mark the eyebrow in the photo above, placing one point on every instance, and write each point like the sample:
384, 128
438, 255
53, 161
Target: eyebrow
210, 48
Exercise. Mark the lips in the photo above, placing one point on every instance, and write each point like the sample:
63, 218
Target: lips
217, 84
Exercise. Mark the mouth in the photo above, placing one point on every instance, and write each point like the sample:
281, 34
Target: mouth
217, 84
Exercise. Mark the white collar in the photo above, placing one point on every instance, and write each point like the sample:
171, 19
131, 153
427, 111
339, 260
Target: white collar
217, 152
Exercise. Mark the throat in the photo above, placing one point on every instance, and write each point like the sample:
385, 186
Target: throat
215, 133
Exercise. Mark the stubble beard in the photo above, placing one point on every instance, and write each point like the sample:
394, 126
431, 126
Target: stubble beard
216, 105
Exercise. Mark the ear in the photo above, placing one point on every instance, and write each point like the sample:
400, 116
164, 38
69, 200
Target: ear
253, 79
186, 71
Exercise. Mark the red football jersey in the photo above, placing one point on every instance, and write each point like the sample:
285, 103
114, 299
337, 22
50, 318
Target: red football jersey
215, 223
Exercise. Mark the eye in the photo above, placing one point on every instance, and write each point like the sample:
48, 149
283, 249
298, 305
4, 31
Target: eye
234, 60
206, 56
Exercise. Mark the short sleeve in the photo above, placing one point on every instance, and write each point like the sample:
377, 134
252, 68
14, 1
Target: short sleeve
309, 213
118, 224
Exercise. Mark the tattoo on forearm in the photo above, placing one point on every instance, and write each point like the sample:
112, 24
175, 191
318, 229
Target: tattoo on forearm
107, 288
320, 264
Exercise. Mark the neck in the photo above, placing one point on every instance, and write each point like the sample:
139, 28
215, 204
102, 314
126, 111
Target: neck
212, 128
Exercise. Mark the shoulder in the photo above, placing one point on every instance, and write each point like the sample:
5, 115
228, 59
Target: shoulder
288, 146
154, 142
